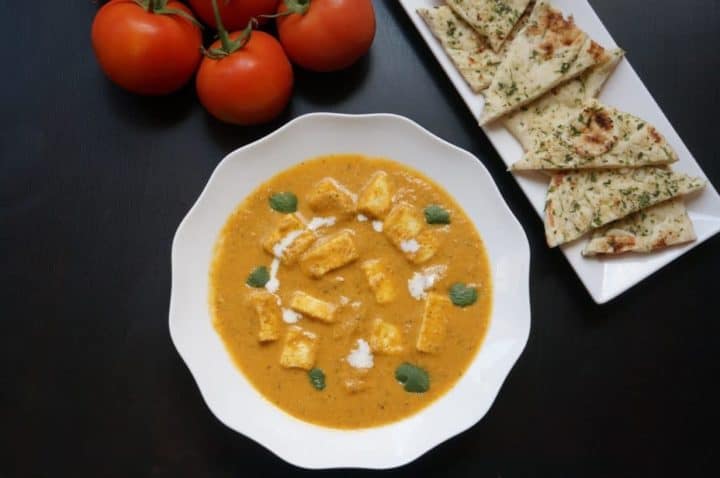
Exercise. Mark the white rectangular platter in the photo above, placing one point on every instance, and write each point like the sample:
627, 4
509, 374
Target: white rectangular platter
604, 278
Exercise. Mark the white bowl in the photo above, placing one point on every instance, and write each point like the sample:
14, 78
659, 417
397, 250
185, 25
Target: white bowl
225, 389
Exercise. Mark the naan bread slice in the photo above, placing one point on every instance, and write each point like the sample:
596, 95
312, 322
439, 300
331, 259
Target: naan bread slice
663, 225
598, 137
469, 51
583, 200
560, 104
549, 51
493, 19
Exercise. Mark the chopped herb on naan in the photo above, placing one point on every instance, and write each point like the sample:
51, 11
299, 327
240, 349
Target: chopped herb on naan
657, 227
533, 122
598, 137
580, 201
549, 51
493, 19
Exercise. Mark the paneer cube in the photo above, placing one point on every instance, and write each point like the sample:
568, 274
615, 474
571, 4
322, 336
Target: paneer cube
290, 239
403, 223
376, 197
300, 349
429, 242
269, 314
433, 328
300, 244
313, 307
385, 338
329, 253
379, 278
329, 197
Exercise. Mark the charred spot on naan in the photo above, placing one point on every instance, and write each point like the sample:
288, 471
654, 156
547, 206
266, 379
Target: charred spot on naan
592, 133
597, 52
553, 21
620, 243
657, 137
555, 182
661, 243
549, 213
558, 179
602, 119
559, 32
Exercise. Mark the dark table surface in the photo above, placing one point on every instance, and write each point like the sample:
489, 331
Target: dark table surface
94, 181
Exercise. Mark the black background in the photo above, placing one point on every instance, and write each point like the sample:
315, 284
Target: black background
94, 181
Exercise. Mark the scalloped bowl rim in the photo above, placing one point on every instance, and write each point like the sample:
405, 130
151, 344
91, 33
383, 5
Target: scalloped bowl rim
226, 391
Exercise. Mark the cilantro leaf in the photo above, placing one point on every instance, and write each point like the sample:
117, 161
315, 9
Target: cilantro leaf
435, 214
413, 378
317, 378
462, 295
258, 278
284, 202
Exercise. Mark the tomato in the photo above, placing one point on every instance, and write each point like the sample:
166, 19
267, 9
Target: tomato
248, 86
235, 14
146, 52
330, 35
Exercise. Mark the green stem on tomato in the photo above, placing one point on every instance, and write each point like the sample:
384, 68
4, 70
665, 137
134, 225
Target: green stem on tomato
291, 7
159, 7
227, 45
297, 6
144, 4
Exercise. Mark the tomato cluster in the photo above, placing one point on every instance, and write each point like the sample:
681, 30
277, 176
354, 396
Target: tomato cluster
154, 47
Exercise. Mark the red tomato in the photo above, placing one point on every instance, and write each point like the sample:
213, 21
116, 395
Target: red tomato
330, 35
235, 14
145, 52
249, 86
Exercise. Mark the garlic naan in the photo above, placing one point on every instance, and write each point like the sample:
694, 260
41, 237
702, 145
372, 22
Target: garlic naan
560, 104
493, 19
469, 51
549, 51
580, 201
657, 227
598, 137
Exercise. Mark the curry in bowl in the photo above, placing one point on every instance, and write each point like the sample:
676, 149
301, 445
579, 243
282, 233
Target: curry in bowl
351, 291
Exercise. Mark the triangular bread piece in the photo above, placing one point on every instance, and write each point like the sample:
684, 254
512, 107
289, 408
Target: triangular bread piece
657, 227
598, 137
580, 201
549, 51
469, 51
493, 19
560, 104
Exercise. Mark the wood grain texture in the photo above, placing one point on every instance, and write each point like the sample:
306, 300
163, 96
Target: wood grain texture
94, 181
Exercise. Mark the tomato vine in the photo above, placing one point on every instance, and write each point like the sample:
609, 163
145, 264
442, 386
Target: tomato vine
160, 7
